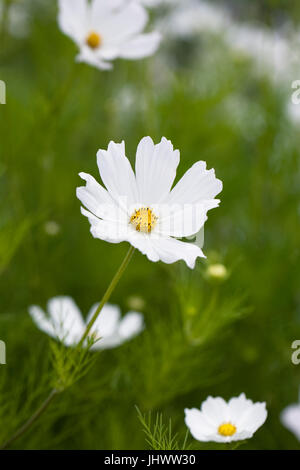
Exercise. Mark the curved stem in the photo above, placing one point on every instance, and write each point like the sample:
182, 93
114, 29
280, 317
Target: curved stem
31, 420
108, 293
54, 392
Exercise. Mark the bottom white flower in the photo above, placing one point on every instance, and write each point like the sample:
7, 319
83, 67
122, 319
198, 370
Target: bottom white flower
65, 322
290, 418
219, 421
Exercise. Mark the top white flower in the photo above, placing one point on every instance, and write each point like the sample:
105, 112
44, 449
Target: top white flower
141, 208
107, 29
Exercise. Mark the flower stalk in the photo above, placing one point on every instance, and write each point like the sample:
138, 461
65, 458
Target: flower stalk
108, 293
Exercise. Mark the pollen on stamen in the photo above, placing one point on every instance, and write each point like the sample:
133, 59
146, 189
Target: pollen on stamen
143, 220
227, 429
94, 40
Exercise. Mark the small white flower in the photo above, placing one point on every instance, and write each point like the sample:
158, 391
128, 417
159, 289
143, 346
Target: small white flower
290, 418
219, 421
105, 30
142, 208
64, 322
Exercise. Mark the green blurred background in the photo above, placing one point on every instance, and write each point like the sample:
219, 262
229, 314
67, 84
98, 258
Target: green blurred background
202, 337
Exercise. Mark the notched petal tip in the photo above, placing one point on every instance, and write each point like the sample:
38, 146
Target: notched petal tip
146, 140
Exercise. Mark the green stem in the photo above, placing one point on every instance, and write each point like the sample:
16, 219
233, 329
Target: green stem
108, 293
31, 420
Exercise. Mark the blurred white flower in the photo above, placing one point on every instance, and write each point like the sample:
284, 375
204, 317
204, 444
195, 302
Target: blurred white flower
141, 208
105, 30
65, 322
219, 421
272, 51
192, 17
290, 418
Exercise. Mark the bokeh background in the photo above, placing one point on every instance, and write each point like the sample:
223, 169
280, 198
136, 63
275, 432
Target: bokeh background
220, 88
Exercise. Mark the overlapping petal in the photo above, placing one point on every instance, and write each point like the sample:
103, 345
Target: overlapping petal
140, 46
64, 320
200, 428
117, 174
155, 170
117, 24
197, 185
73, 18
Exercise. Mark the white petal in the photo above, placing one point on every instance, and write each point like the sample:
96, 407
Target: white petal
107, 322
108, 342
131, 325
91, 57
290, 418
141, 46
67, 320
216, 411
241, 436
181, 220
107, 52
253, 418
198, 425
237, 436
117, 174
238, 406
198, 185
113, 232
119, 24
41, 320
73, 18
97, 200
144, 244
99, 8
155, 168
171, 250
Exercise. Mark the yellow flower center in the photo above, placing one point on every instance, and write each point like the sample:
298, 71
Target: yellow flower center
227, 429
143, 220
94, 40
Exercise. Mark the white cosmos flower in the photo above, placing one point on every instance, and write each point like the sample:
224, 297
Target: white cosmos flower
65, 322
141, 208
107, 29
219, 421
290, 418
